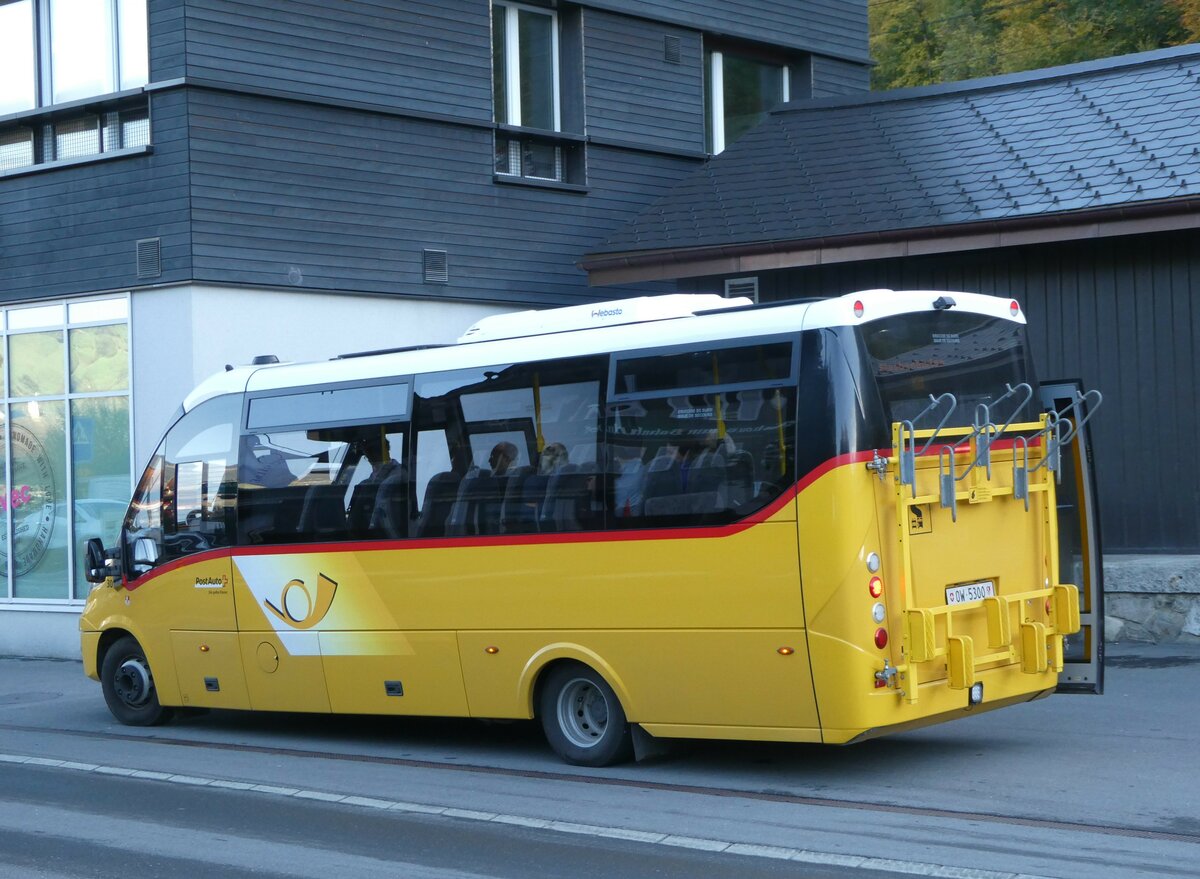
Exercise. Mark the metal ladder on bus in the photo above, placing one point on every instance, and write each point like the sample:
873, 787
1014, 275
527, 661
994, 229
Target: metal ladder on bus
965, 474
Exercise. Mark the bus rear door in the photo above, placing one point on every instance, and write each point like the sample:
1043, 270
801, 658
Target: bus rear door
1079, 543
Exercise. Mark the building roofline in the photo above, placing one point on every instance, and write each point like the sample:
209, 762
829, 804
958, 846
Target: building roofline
994, 83
1128, 219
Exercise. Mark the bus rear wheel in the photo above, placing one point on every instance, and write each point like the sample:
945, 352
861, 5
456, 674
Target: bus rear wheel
129, 686
582, 717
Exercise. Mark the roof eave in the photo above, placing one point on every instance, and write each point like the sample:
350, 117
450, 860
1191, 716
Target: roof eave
1161, 215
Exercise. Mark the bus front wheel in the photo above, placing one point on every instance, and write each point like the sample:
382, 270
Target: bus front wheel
129, 686
582, 717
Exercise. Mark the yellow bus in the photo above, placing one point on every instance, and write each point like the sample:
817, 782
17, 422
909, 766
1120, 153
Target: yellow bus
676, 516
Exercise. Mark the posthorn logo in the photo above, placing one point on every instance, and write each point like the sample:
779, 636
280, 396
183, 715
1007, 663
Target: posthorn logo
30, 501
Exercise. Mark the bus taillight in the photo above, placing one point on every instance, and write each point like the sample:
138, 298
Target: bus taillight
881, 638
875, 587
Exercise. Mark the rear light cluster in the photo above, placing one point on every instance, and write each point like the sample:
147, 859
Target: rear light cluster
878, 611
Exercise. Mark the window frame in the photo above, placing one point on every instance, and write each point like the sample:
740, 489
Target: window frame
715, 95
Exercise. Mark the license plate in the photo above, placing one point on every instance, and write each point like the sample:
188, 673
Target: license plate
968, 592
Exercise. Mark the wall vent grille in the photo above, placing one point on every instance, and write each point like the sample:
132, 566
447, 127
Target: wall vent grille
149, 258
671, 49
747, 287
437, 269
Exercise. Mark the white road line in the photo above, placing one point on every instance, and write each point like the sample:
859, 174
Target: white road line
728, 847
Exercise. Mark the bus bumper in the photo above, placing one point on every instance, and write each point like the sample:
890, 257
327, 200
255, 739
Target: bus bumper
90, 647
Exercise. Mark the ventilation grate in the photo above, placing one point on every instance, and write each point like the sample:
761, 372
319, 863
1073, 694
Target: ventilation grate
149, 258
437, 270
747, 287
671, 51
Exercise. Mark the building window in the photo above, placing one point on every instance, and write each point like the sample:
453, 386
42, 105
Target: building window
740, 89
64, 442
58, 51
527, 95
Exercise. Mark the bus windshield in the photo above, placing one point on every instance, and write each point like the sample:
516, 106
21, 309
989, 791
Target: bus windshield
973, 356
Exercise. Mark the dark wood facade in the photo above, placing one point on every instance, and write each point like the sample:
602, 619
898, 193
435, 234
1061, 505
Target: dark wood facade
325, 146
1121, 315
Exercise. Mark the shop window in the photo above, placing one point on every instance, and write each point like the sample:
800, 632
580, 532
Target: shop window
740, 89
66, 424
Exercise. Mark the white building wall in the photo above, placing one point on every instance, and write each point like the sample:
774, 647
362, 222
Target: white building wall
181, 335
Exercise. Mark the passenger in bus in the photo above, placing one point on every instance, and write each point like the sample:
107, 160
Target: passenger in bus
629, 482
376, 451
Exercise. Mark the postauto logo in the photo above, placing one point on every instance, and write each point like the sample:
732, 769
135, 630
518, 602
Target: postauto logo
300, 608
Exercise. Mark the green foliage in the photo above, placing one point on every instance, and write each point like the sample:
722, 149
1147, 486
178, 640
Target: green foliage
920, 42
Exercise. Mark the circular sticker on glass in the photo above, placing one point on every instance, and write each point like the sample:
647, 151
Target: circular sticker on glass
30, 501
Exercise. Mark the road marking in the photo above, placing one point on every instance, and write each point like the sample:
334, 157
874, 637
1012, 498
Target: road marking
721, 846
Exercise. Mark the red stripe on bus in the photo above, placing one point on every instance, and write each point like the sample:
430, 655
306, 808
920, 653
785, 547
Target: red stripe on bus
610, 535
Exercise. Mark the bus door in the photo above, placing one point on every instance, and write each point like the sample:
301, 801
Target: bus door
1079, 543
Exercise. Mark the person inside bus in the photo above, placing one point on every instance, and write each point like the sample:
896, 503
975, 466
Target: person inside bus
375, 451
629, 482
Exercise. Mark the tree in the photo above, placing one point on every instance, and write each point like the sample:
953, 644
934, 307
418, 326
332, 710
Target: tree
919, 42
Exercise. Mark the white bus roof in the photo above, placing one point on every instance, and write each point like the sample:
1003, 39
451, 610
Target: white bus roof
647, 322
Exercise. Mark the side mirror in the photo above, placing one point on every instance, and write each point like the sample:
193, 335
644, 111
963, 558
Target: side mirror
98, 567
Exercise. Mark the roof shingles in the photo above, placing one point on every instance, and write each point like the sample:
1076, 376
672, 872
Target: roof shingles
1083, 137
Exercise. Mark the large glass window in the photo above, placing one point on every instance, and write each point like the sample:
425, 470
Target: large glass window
740, 91
57, 51
320, 484
701, 437
65, 426
509, 450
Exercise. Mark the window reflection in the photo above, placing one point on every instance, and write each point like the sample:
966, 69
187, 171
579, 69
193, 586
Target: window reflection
81, 49
16, 57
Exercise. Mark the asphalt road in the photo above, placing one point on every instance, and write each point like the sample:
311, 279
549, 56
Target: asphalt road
1069, 787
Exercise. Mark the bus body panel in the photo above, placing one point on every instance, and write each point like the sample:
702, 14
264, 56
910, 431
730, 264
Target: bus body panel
729, 677
210, 669
279, 679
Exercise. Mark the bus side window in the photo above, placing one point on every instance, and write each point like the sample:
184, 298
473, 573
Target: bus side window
323, 484
700, 437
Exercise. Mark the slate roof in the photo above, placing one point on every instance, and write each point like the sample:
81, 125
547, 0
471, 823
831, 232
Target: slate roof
1099, 135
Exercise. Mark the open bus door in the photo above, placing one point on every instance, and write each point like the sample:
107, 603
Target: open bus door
1079, 544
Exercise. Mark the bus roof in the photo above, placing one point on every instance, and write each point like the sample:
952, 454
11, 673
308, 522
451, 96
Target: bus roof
648, 322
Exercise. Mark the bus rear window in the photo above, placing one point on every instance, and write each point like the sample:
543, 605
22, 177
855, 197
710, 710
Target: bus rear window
973, 356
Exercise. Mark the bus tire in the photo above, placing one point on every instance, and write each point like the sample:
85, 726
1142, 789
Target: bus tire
129, 686
582, 717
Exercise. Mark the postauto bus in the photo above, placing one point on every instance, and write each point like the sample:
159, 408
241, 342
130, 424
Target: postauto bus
678, 516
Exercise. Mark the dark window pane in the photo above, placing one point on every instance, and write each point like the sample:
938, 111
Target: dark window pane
696, 459
373, 402
319, 485
499, 64
970, 355
751, 89
705, 369
541, 160
536, 34
510, 449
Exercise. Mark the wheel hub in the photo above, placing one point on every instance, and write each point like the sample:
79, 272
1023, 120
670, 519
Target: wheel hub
132, 682
582, 713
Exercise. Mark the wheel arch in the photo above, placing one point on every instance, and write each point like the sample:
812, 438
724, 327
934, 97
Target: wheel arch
554, 655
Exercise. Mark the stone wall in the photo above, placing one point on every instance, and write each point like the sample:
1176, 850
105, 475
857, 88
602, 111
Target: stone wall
1153, 598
